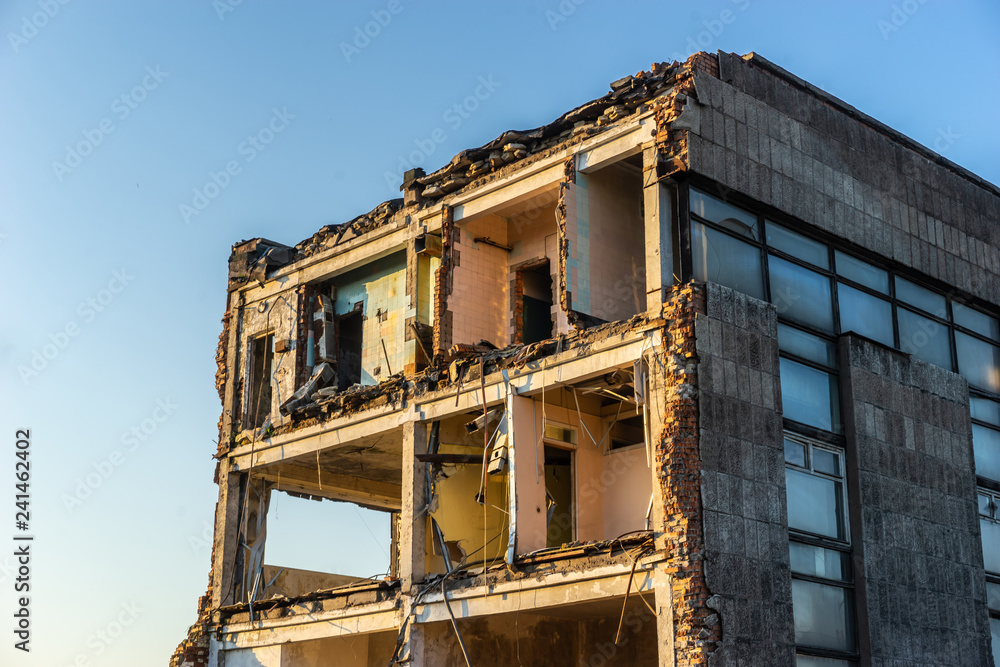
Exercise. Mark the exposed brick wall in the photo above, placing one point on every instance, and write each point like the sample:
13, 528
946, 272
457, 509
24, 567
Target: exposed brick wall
565, 207
696, 627
221, 375
442, 286
743, 479
923, 564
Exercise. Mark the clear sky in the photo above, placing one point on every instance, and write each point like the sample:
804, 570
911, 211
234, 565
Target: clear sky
113, 117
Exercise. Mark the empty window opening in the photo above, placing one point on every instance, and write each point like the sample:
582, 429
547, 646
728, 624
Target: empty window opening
559, 495
350, 328
627, 432
535, 284
315, 545
261, 356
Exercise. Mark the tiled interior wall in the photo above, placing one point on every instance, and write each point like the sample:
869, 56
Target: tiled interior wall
533, 235
479, 299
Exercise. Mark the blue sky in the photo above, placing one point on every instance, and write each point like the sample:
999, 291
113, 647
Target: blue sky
116, 115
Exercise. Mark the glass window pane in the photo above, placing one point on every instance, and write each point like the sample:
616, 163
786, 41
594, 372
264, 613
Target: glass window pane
797, 245
865, 314
995, 632
826, 462
978, 362
991, 545
809, 396
983, 409
795, 453
979, 322
801, 294
818, 562
985, 505
921, 297
723, 214
986, 443
821, 615
813, 661
924, 338
993, 596
814, 504
854, 269
805, 345
721, 259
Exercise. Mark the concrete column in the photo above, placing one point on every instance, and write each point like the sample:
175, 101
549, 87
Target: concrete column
664, 617
658, 235
413, 536
530, 478
413, 519
226, 537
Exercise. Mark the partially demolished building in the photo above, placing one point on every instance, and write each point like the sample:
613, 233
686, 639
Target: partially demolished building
704, 372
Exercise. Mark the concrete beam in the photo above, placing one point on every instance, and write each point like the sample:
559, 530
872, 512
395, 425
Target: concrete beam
384, 495
556, 590
657, 202
312, 625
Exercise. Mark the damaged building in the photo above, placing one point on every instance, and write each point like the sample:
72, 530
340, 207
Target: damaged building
704, 372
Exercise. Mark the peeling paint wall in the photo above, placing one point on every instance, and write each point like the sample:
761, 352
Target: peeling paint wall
277, 315
381, 287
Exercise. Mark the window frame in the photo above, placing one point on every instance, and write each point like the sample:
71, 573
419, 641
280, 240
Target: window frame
768, 215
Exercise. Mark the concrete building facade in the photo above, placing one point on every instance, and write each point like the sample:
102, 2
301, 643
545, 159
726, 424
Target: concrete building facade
704, 372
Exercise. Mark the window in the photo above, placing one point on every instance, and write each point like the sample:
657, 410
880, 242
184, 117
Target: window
924, 338
800, 294
993, 602
989, 521
725, 215
722, 259
809, 385
827, 289
815, 489
559, 496
626, 432
986, 439
819, 548
261, 355
534, 288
